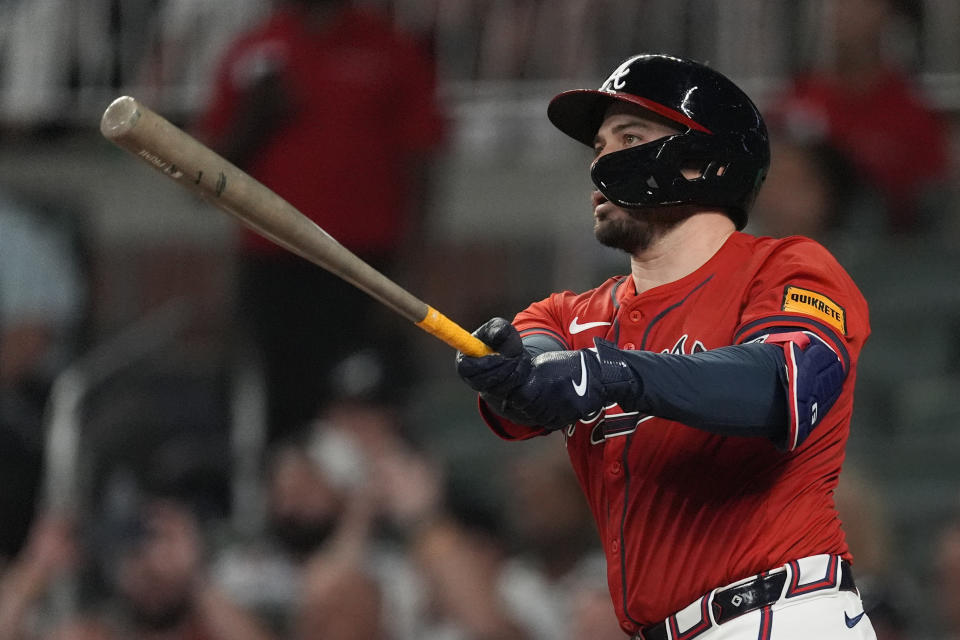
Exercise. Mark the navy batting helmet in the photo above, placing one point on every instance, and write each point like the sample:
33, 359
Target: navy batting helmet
722, 134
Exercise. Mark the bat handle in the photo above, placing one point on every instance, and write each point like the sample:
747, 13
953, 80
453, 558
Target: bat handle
440, 326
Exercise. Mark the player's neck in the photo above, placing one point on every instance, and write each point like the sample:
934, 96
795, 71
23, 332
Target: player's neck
681, 250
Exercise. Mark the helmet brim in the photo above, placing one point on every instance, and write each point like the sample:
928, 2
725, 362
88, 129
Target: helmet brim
579, 112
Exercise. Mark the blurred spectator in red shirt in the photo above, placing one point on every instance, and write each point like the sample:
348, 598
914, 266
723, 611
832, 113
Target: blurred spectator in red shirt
814, 190
867, 105
335, 110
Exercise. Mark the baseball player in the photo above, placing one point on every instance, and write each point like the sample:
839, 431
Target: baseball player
705, 398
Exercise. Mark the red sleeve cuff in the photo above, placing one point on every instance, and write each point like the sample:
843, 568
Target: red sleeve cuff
815, 377
505, 428
786, 323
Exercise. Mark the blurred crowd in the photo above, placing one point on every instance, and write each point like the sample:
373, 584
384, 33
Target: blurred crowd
365, 536
872, 154
360, 526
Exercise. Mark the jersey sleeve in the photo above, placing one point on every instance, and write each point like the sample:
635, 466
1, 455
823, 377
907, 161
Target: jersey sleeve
800, 298
801, 286
544, 320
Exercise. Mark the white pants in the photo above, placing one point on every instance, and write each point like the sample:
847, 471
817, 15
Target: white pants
811, 606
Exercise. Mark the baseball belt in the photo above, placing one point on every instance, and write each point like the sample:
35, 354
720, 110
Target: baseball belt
743, 598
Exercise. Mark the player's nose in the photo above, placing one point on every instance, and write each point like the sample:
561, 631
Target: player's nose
597, 198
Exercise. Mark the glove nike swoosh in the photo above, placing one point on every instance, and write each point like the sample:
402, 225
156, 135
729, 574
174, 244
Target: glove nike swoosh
581, 388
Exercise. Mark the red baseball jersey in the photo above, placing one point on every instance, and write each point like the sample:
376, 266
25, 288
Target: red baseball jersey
681, 511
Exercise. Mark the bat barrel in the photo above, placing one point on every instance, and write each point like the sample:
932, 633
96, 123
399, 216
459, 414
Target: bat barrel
196, 167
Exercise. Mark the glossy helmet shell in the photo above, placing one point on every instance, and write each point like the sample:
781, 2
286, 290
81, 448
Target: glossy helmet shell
721, 132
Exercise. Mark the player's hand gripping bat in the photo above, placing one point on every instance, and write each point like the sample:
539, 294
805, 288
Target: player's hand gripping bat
189, 163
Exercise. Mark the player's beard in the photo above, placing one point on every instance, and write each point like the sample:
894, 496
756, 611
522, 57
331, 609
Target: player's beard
637, 231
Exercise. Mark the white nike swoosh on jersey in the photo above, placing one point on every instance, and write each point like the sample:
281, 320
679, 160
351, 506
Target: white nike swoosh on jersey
581, 388
576, 327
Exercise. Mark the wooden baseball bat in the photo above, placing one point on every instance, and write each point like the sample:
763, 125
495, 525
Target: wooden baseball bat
191, 164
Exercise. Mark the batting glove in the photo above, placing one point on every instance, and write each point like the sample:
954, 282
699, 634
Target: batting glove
500, 373
563, 387
551, 390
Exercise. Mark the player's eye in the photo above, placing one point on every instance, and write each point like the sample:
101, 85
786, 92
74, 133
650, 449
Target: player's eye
630, 139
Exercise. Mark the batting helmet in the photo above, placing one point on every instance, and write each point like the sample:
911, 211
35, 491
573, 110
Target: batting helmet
722, 134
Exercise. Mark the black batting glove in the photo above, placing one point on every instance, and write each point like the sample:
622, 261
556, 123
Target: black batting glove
498, 374
566, 386
563, 387
552, 390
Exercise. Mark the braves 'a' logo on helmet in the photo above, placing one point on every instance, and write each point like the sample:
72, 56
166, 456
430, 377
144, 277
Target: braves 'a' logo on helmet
616, 80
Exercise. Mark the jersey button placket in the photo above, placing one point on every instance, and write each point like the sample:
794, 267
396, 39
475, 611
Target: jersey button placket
635, 316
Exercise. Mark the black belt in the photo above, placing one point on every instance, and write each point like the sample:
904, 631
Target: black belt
743, 598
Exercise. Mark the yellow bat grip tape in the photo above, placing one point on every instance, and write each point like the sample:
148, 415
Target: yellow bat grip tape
440, 326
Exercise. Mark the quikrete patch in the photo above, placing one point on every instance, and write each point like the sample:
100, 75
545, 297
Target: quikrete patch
817, 305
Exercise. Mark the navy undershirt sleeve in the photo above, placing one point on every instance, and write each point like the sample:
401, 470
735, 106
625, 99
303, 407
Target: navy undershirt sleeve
538, 343
737, 390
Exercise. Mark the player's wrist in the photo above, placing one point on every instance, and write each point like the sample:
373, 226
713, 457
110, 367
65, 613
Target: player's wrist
621, 382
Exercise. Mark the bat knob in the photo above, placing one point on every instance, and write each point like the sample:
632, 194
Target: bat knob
120, 117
